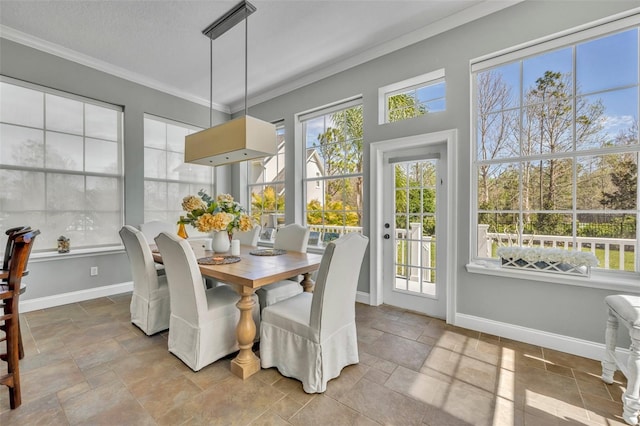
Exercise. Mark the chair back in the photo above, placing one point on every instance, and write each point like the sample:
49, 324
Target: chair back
292, 237
186, 290
334, 295
153, 228
143, 270
9, 247
21, 242
248, 238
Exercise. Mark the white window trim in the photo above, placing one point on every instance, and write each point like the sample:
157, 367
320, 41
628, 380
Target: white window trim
432, 77
599, 279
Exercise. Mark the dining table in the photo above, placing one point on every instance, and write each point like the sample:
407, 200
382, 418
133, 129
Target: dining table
265, 266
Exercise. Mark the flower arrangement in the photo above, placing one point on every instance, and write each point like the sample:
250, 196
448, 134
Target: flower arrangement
208, 215
551, 255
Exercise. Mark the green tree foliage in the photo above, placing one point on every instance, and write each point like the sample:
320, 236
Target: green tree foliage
403, 106
335, 213
266, 202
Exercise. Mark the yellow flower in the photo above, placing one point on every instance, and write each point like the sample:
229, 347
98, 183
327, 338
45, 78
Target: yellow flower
191, 203
245, 223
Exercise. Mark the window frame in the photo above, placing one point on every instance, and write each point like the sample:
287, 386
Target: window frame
600, 278
280, 131
118, 175
411, 84
195, 186
305, 117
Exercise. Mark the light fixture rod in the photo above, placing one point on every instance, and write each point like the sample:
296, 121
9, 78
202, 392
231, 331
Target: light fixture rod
246, 62
229, 20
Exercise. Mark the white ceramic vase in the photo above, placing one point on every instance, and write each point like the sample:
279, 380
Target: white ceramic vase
220, 242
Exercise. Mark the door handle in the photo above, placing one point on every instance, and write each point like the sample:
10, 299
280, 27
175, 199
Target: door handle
387, 236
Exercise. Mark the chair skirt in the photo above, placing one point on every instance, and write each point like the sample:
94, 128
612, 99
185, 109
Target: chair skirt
151, 316
214, 337
287, 345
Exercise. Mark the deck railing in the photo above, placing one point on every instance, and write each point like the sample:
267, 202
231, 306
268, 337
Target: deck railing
619, 246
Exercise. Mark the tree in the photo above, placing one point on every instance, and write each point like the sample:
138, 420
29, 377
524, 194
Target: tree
403, 106
266, 202
495, 129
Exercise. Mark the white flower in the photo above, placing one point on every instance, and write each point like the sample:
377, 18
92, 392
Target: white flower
551, 255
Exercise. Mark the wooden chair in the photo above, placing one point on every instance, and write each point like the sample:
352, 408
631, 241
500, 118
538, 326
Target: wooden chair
3, 284
20, 251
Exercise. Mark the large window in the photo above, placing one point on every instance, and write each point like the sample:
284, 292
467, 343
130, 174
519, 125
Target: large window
333, 170
556, 147
60, 165
265, 182
167, 178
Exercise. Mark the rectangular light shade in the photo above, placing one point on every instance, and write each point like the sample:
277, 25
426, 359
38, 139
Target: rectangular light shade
240, 139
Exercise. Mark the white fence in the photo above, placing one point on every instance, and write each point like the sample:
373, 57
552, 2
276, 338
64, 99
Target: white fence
609, 245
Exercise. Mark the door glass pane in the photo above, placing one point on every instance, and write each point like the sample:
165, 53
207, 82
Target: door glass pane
415, 245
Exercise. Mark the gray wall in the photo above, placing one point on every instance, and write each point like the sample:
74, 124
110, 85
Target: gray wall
71, 273
567, 310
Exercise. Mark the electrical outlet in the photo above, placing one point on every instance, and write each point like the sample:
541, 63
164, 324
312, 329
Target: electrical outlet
94, 271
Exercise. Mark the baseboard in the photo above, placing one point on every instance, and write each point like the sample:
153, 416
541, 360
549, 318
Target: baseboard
362, 297
74, 296
571, 345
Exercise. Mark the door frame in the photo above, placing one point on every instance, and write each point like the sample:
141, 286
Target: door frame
377, 151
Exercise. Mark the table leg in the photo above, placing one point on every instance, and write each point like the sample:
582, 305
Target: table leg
307, 282
246, 363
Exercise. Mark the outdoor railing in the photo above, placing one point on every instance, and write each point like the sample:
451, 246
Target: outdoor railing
610, 246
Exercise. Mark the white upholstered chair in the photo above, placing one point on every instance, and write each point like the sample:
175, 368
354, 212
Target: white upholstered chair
150, 298
202, 328
291, 237
249, 238
312, 336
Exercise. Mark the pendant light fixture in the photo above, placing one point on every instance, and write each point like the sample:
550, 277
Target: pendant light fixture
242, 138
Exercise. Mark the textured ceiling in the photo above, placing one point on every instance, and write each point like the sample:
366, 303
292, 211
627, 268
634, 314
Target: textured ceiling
160, 44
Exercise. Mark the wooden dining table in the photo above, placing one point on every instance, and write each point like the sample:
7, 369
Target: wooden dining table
246, 276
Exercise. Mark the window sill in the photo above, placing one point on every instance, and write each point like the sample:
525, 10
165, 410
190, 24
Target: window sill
84, 252
621, 281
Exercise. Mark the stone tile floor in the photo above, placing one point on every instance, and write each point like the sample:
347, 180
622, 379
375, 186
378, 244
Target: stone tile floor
86, 364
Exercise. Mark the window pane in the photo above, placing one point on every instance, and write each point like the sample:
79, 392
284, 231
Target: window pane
155, 195
64, 115
547, 185
613, 119
21, 191
175, 138
498, 88
64, 152
155, 134
101, 156
155, 163
103, 194
65, 192
497, 135
19, 105
540, 78
21, 146
101, 122
599, 57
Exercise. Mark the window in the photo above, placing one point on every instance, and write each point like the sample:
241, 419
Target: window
60, 166
167, 178
333, 172
413, 97
265, 177
556, 147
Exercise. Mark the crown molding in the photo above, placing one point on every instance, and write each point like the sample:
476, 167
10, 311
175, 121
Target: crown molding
470, 14
71, 55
